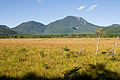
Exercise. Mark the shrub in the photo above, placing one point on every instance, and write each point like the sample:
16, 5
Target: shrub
67, 55
66, 48
22, 50
46, 66
42, 53
103, 52
114, 59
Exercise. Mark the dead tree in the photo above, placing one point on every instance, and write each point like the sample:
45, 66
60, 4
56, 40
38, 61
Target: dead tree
83, 51
99, 33
97, 46
112, 49
115, 46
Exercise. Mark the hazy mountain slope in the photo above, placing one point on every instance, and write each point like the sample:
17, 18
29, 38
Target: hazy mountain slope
4, 30
30, 27
114, 25
71, 24
112, 29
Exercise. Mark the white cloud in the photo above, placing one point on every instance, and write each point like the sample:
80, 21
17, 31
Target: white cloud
92, 7
40, 1
80, 8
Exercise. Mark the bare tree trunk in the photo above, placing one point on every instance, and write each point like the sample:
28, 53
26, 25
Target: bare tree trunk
112, 49
96, 48
97, 45
80, 45
115, 46
83, 51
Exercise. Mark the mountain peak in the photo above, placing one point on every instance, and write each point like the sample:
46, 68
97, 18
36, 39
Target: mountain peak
71, 24
33, 21
76, 18
70, 17
30, 22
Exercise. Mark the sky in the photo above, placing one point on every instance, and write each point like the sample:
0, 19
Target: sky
99, 12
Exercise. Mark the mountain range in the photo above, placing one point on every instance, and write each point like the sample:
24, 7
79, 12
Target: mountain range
5, 30
67, 25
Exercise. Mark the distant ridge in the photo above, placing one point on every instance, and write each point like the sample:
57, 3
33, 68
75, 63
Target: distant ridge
67, 25
5, 30
114, 25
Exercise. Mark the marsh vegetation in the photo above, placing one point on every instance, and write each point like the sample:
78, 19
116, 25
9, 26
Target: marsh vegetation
59, 58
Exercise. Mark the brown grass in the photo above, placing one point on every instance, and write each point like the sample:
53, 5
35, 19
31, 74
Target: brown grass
19, 56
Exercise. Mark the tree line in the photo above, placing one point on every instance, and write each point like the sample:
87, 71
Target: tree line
110, 35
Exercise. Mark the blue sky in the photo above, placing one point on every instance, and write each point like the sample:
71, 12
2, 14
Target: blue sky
99, 12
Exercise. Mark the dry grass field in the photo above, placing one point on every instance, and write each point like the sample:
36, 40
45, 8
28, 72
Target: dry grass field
58, 58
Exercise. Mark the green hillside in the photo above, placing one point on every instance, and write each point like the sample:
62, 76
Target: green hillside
70, 24
112, 29
114, 25
67, 25
30, 27
4, 30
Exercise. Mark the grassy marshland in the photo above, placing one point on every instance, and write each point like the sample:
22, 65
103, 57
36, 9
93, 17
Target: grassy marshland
58, 58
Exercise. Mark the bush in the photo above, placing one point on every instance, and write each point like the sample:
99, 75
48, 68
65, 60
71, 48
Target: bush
22, 50
114, 59
42, 53
67, 55
66, 48
46, 66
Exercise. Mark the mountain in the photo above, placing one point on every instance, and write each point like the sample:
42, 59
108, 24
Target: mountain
3, 26
30, 27
114, 25
112, 29
71, 24
4, 30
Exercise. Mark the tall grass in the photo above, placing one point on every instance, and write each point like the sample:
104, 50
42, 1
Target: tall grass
45, 58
